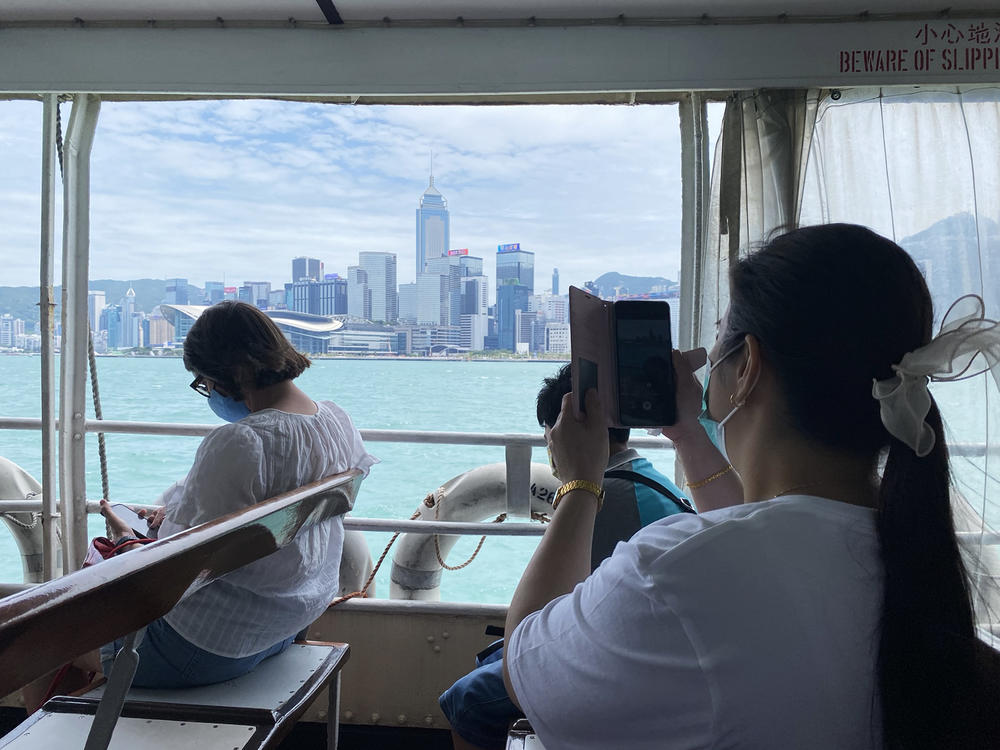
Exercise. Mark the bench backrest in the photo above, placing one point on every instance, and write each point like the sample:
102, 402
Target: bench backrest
48, 625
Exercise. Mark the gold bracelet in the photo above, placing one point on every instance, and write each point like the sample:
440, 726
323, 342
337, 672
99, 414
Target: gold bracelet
579, 484
709, 479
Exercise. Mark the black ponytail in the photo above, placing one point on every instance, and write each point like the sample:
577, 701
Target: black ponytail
928, 652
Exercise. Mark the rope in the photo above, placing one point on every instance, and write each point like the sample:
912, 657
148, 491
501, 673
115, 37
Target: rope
363, 592
101, 448
429, 501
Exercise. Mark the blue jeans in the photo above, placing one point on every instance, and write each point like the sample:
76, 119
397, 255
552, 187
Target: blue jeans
477, 706
168, 660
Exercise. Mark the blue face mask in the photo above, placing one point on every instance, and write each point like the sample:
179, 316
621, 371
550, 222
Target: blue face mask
715, 429
227, 407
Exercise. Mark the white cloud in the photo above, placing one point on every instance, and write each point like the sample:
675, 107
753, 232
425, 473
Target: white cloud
202, 189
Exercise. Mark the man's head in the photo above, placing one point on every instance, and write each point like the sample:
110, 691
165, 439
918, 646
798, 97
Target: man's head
549, 403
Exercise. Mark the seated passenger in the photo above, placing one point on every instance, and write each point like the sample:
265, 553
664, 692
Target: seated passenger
831, 608
278, 439
477, 706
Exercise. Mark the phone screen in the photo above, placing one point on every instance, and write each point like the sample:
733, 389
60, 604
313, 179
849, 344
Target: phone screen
133, 519
588, 380
645, 368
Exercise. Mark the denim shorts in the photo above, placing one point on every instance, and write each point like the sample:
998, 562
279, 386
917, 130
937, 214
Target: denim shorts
168, 660
477, 706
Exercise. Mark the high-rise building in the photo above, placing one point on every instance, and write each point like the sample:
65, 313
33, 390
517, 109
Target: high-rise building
408, 303
381, 271
111, 321
432, 299
327, 297
304, 268
359, 296
231, 293
256, 293
555, 281
515, 265
131, 320
471, 265
474, 295
215, 291
511, 298
11, 329
433, 226
177, 292
158, 329
95, 304
450, 267
515, 283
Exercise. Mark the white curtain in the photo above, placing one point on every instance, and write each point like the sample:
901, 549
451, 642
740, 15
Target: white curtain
919, 165
922, 166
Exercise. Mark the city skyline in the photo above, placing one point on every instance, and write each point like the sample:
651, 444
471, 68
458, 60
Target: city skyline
211, 190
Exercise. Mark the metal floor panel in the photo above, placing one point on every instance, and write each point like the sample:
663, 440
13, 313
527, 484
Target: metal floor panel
70, 730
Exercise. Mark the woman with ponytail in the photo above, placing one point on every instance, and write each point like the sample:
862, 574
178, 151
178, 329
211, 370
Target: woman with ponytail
828, 606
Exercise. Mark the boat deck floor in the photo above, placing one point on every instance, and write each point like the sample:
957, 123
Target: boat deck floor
309, 735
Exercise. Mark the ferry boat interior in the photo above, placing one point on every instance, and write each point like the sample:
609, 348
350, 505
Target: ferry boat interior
883, 113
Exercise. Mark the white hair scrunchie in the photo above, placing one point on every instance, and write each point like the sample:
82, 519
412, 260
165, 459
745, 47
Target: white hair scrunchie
967, 338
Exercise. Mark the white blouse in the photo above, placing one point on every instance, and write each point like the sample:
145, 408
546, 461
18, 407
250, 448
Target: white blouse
238, 465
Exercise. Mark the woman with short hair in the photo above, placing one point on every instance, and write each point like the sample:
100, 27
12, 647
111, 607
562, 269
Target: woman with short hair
277, 439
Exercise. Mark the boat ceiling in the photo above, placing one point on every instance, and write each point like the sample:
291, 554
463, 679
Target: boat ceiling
366, 11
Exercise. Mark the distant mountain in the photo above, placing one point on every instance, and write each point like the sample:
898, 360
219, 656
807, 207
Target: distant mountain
957, 256
608, 283
22, 301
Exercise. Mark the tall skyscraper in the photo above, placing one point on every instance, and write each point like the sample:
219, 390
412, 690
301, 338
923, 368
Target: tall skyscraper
555, 281
515, 284
95, 304
515, 264
433, 226
306, 268
177, 292
381, 271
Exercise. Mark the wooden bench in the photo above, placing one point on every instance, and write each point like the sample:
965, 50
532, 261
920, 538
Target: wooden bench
48, 625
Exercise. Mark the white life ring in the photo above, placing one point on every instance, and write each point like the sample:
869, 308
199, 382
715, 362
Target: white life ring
476, 495
355, 564
17, 484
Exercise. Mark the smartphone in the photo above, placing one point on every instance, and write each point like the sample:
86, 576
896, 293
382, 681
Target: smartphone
645, 371
138, 524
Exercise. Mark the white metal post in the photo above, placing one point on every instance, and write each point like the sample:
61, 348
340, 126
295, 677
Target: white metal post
518, 480
695, 194
73, 380
695, 186
46, 310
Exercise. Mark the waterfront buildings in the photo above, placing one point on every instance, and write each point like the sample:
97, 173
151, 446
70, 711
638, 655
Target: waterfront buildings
256, 293
359, 296
555, 281
215, 291
433, 227
177, 291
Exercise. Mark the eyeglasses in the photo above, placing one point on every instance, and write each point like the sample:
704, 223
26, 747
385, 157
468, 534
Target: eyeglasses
200, 387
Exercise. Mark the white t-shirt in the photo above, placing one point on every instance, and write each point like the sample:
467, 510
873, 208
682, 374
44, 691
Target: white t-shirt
237, 465
747, 627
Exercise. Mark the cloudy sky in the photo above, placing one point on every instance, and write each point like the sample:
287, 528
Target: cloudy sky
236, 189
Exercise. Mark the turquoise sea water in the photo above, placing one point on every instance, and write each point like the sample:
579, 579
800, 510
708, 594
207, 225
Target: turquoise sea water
468, 396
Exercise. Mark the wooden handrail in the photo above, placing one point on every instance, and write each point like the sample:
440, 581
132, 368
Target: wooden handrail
54, 622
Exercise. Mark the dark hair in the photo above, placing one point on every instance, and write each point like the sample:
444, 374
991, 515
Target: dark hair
549, 403
238, 346
833, 308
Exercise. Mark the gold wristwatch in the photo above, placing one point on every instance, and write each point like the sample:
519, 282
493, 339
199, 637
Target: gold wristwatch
579, 484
